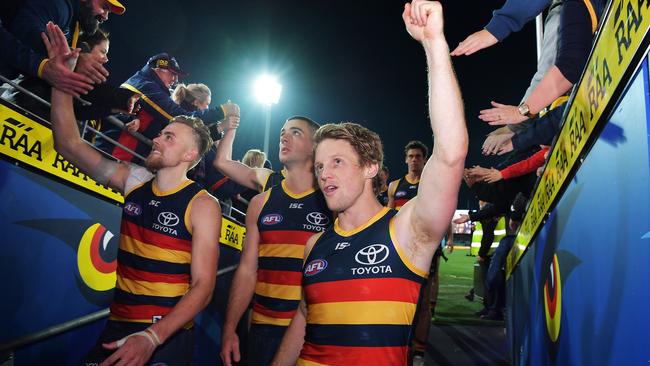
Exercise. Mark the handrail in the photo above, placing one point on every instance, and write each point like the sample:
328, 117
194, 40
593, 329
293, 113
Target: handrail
72, 324
111, 119
36, 97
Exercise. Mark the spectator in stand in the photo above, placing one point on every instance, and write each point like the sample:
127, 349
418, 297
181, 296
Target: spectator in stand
153, 83
578, 24
511, 17
96, 45
192, 96
28, 64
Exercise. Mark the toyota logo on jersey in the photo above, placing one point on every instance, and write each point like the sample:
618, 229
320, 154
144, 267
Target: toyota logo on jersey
168, 219
317, 218
372, 254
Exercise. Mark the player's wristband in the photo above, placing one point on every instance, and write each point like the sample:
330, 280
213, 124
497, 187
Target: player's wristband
121, 342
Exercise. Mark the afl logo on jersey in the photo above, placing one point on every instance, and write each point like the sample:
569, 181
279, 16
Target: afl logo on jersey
272, 219
315, 267
400, 194
132, 209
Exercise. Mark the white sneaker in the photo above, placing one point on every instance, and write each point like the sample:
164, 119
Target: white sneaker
418, 360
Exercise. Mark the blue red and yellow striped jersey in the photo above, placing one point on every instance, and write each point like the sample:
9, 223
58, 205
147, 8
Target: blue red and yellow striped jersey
361, 293
285, 223
153, 260
404, 191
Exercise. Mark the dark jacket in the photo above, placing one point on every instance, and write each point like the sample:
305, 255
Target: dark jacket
513, 15
22, 49
157, 109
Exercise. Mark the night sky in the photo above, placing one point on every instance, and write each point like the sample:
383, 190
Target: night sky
337, 61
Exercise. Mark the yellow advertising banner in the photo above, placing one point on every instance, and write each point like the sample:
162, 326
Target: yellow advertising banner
232, 234
621, 35
31, 143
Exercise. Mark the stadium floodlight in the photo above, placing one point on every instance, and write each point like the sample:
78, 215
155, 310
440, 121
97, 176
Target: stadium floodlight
267, 92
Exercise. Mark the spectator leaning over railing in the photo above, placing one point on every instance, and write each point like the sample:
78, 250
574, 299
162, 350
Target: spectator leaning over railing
25, 60
153, 83
578, 23
511, 17
518, 169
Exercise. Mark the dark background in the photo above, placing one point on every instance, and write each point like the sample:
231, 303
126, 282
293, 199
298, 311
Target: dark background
337, 61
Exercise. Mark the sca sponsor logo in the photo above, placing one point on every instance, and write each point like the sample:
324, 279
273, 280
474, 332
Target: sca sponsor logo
315, 267
166, 221
400, 194
372, 256
272, 219
317, 221
132, 209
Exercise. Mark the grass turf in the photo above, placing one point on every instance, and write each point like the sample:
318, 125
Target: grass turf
456, 278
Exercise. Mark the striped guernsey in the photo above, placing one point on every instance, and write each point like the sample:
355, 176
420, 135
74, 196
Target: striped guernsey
153, 270
404, 191
285, 223
361, 294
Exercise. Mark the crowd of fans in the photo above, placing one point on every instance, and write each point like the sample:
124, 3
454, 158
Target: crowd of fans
529, 129
148, 100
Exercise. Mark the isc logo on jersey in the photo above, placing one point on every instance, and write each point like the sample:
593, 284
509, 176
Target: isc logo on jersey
371, 257
315, 267
400, 194
272, 219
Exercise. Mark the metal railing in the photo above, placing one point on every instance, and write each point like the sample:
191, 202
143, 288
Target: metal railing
111, 119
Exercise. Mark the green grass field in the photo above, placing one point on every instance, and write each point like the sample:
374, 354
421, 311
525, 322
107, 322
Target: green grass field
456, 278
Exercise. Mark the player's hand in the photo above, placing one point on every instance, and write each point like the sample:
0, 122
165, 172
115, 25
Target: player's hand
136, 351
57, 71
423, 20
230, 109
230, 348
230, 123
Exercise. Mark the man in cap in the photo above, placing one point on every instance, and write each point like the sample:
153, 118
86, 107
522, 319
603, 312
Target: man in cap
153, 83
20, 31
